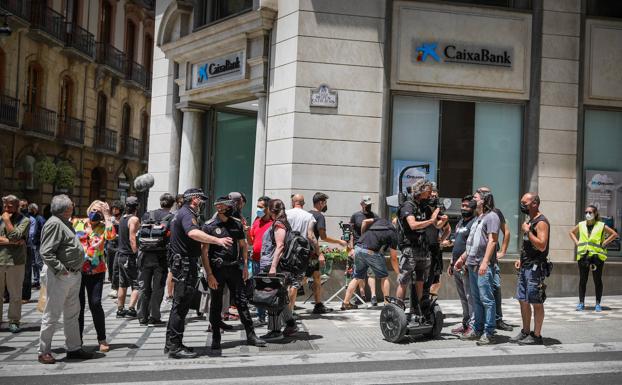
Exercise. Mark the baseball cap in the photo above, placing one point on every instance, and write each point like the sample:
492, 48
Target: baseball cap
131, 201
194, 192
367, 200
224, 200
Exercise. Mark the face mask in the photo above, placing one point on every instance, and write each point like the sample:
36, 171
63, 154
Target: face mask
466, 213
260, 212
524, 208
95, 216
24, 212
325, 209
589, 217
228, 211
368, 208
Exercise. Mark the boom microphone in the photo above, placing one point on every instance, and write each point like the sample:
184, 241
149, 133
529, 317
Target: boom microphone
143, 182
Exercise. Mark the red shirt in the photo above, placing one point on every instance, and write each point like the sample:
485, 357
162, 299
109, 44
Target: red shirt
258, 228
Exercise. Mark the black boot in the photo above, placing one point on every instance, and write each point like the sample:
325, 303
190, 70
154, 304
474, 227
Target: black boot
216, 340
252, 339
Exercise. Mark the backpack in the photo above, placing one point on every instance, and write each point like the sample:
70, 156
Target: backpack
296, 252
154, 234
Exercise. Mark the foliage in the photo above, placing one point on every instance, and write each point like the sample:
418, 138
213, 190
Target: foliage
335, 254
65, 175
45, 171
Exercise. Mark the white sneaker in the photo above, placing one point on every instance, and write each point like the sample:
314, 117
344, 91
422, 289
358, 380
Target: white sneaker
112, 294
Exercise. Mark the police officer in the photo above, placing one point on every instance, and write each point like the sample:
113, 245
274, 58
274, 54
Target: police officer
412, 224
185, 249
224, 269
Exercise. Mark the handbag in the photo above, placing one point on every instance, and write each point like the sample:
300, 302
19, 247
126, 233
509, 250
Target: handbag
269, 291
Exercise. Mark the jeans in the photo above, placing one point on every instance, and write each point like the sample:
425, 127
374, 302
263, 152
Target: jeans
483, 300
466, 299
151, 281
261, 312
497, 291
93, 285
27, 283
37, 265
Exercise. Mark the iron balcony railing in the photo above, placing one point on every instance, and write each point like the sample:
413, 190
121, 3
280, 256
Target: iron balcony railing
132, 147
111, 57
138, 74
19, 8
40, 120
71, 130
106, 139
80, 39
48, 20
9, 110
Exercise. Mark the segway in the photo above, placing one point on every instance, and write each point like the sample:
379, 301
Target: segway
425, 316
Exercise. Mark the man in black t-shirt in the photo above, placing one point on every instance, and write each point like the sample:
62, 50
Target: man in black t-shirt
224, 269
359, 220
369, 254
185, 250
320, 206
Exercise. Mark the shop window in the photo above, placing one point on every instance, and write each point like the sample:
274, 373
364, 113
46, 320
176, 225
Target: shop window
604, 8
34, 87
602, 165
209, 11
466, 145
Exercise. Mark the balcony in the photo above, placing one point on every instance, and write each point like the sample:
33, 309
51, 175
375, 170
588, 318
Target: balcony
106, 140
47, 24
39, 121
19, 8
139, 75
111, 57
9, 111
132, 147
71, 130
80, 41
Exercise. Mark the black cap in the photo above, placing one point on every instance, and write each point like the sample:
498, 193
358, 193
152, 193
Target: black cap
131, 201
224, 200
194, 192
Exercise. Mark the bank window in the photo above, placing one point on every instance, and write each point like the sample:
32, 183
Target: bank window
466, 145
516, 4
604, 8
602, 167
210, 11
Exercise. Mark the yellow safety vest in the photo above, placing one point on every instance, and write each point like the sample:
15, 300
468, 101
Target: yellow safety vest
591, 244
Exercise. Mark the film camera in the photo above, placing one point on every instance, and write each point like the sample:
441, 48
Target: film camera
346, 231
436, 203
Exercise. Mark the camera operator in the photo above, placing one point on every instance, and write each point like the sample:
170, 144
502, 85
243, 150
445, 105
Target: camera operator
357, 222
224, 268
185, 250
413, 242
369, 254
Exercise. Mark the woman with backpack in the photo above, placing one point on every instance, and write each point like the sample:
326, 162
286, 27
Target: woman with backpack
92, 233
273, 246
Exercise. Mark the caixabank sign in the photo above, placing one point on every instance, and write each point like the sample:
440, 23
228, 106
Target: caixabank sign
217, 70
462, 53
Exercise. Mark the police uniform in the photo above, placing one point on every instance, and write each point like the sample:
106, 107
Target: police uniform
184, 254
413, 244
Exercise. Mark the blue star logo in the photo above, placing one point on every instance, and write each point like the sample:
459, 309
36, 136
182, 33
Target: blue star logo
427, 49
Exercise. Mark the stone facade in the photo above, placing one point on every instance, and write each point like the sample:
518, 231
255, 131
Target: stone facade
62, 125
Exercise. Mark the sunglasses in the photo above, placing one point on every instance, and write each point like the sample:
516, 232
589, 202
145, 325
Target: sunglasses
589, 212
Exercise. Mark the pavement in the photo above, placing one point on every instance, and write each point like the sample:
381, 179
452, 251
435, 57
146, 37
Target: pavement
340, 347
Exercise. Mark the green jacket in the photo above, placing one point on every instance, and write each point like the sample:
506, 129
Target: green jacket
11, 255
60, 249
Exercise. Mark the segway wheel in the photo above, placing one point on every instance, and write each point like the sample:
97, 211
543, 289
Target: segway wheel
393, 322
438, 318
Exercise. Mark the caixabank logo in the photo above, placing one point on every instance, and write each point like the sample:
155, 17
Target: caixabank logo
463, 53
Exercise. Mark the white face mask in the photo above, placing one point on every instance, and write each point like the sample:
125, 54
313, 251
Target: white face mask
589, 217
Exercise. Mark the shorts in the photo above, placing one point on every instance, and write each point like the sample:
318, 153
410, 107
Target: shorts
314, 265
415, 261
128, 270
369, 260
528, 285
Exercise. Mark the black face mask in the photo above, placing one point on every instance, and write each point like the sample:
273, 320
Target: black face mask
368, 208
325, 209
466, 213
24, 212
228, 212
524, 209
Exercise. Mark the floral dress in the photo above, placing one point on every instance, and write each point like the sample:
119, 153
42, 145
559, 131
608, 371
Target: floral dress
93, 239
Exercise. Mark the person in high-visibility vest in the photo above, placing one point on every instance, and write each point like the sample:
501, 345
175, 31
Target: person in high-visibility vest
593, 237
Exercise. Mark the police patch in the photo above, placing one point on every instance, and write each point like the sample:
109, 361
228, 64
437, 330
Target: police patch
218, 230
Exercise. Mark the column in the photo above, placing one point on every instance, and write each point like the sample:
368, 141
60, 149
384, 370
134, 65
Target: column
259, 174
191, 149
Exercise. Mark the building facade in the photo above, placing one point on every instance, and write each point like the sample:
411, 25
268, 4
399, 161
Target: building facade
277, 97
76, 89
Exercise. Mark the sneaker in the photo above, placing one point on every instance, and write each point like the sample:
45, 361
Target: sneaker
290, 330
348, 306
486, 339
143, 322
14, 328
274, 335
155, 322
113, 294
531, 339
121, 313
520, 336
459, 330
47, 359
503, 326
182, 354
580, 306
319, 308
131, 313
104, 347
598, 308
472, 335
374, 301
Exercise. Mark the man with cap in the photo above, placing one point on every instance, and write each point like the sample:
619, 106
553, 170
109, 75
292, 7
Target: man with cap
360, 218
127, 254
185, 250
227, 266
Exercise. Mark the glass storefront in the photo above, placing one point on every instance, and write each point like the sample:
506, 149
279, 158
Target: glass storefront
466, 144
